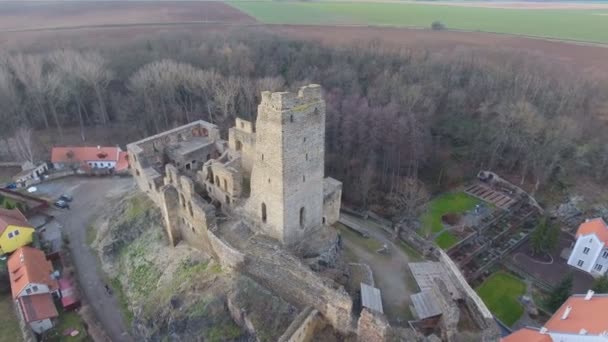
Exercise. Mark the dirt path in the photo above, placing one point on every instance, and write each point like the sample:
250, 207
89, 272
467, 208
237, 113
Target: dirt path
391, 273
90, 196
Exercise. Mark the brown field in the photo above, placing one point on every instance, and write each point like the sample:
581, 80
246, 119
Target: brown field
36, 15
95, 24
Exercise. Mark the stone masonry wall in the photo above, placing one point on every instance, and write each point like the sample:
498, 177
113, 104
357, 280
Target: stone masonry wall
241, 138
288, 168
303, 328
332, 198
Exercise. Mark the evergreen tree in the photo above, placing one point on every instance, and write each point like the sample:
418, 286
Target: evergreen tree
600, 285
562, 291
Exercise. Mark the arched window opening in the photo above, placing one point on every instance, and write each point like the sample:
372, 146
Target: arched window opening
183, 201
263, 212
262, 156
225, 185
227, 199
303, 178
190, 209
239, 145
306, 156
302, 217
291, 118
217, 181
323, 219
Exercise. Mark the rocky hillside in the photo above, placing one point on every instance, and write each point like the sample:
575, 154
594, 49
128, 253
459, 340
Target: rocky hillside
180, 294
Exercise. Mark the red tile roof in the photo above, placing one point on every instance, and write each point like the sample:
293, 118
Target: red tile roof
10, 217
597, 226
585, 314
84, 154
28, 265
527, 335
123, 161
37, 307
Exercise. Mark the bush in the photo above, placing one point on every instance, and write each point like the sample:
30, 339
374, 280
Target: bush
437, 26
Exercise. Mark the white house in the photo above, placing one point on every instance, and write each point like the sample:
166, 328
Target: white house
590, 252
582, 318
100, 157
31, 173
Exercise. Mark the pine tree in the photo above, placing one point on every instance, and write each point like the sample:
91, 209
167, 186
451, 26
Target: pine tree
600, 285
562, 291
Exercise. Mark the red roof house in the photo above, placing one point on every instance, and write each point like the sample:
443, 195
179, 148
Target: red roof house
38, 311
99, 157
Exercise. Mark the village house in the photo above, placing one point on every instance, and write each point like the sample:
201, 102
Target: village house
30, 273
31, 173
590, 252
38, 311
89, 158
15, 231
580, 319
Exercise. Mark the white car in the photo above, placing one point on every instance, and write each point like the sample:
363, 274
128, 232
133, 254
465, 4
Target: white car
32, 189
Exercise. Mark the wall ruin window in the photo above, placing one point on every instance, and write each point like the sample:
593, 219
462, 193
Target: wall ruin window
302, 217
323, 219
208, 156
217, 180
225, 185
190, 209
183, 201
262, 156
263, 212
242, 124
291, 118
137, 172
188, 166
227, 199
303, 178
306, 156
239, 145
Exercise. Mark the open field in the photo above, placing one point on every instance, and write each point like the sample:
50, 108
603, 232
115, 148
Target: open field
589, 25
104, 28
500, 292
37, 15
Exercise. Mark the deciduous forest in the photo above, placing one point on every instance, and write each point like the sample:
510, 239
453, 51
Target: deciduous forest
401, 122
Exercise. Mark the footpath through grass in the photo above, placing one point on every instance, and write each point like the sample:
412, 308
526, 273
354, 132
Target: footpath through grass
573, 24
500, 292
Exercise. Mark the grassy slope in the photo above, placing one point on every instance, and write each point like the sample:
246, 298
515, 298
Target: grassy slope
500, 292
583, 25
9, 326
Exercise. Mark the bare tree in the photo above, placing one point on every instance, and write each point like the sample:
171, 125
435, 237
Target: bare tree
22, 142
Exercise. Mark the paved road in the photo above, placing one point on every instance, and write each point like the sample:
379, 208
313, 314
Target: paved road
90, 195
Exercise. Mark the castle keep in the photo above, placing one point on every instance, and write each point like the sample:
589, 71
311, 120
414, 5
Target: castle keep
258, 202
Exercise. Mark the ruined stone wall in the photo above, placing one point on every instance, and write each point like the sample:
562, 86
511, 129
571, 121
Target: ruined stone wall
222, 181
241, 138
303, 328
332, 198
479, 311
372, 326
226, 254
288, 167
285, 274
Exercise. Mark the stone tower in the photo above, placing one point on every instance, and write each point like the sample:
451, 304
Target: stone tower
288, 166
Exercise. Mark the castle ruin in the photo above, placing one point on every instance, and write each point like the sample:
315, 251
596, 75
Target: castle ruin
259, 202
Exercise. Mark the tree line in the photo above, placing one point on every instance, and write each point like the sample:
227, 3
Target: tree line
400, 122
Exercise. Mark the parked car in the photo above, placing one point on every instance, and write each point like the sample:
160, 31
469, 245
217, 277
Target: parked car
66, 198
62, 204
11, 186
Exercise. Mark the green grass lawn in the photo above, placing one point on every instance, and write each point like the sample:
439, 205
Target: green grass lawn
453, 202
582, 25
68, 320
446, 240
9, 326
500, 292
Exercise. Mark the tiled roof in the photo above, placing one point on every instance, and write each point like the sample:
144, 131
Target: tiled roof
83, 154
584, 314
10, 217
28, 265
527, 335
37, 307
123, 161
597, 226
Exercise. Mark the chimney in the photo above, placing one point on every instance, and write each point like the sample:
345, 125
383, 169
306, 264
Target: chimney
586, 220
583, 332
98, 147
567, 312
543, 330
589, 295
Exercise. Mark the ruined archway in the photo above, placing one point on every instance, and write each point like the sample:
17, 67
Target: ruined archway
302, 217
263, 212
